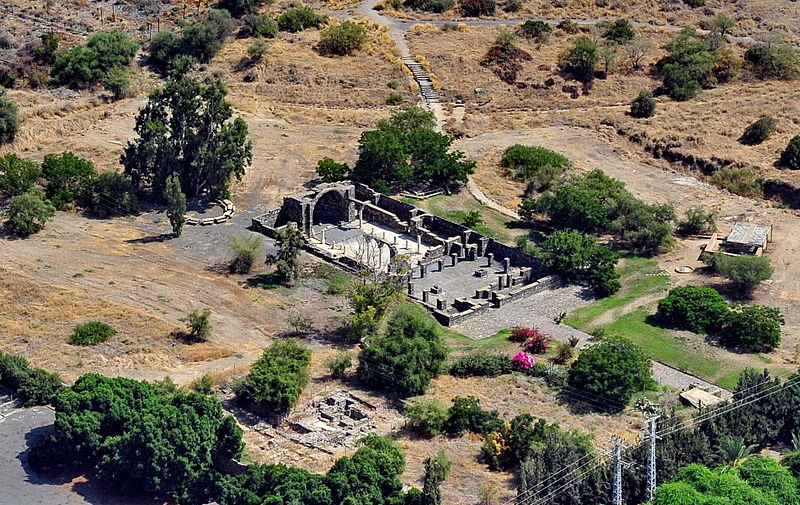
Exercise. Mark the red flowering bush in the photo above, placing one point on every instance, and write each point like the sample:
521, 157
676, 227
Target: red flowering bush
537, 343
520, 334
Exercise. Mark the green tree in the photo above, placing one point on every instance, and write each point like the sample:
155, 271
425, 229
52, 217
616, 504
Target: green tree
574, 255
620, 31
117, 81
644, 105
406, 356
698, 220
278, 377
258, 26
614, 369
427, 416
87, 64
17, 175
176, 204
533, 164
536, 30
198, 325
687, 67
46, 52
370, 476
790, 157
92, 333
331, 171
342, 39
9, 119
432, 161
298, 19
436, 470
28, 212
204, 39
696, 308
473, 219
758, 131
112, 195
410, 118
744, 272
69, 178
287, 261
338, 364
755, 327
581, 59
733, 452
185, 129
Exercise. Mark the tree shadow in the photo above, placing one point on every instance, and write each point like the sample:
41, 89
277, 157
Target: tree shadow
268, 281
153, 238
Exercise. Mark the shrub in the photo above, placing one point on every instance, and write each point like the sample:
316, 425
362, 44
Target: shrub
34, 385
437, 6
791, 460
536, 165
17, 175
198, 324
9, 119
535, 29
299, 321
568, 26
117, 81
176, 204
564, 353
698, 220
427, 416
754, 327
699, 309
774, 58
331, 171
790, 157
201, 40
92, 333
342, 39
575, 255
239, 8
278, 377
758, 131
744, 272
28, 212
480, 365
620, 31
644, 105
739, 181
248, 247
68, 178
467, 415
614, 369
395, 99
521, 333
581, 59
695, 3
687, 67
537, 343
473, 219
477, 8
256, 51
512, 5
337, 364
408, 354
258, 26
298, 19
112, 195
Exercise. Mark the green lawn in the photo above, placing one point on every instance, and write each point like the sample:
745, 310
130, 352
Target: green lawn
456, 207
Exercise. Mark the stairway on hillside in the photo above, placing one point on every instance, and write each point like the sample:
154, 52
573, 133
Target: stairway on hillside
421, 76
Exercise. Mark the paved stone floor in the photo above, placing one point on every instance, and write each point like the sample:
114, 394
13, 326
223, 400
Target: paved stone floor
458, 281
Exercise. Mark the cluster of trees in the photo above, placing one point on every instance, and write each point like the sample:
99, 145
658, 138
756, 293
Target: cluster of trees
104, 58
537, 166
371, 302
703, 310
756, 480
34, 385
595, 203
37, 191
769, 421
404, 149
199, 41
276, 380
185, 131
406, 355
576, 256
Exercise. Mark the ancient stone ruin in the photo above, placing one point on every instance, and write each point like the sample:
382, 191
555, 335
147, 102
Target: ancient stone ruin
452, 270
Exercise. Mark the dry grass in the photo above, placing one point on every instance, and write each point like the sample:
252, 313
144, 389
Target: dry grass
205, 352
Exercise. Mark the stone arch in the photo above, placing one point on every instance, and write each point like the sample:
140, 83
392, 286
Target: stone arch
330, 207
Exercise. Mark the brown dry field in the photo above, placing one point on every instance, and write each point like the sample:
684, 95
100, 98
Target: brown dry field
753, 17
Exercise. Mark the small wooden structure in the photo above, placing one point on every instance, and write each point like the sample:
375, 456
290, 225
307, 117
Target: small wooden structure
744, 239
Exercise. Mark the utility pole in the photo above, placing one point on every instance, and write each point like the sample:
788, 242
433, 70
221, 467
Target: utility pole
616, 494
651, 456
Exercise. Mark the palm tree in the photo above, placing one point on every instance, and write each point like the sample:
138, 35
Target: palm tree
732, 452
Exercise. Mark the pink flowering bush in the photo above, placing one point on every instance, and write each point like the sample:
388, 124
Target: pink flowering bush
522, 362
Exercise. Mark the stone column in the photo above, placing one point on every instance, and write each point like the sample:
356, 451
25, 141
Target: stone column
360, 217
441, 303
426, 296
419, 243
500, 281
323, 236
477, 293
423, 269
508, 280
410, 289
440, 261
506, 265
471, 253
455, 258
490, 259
